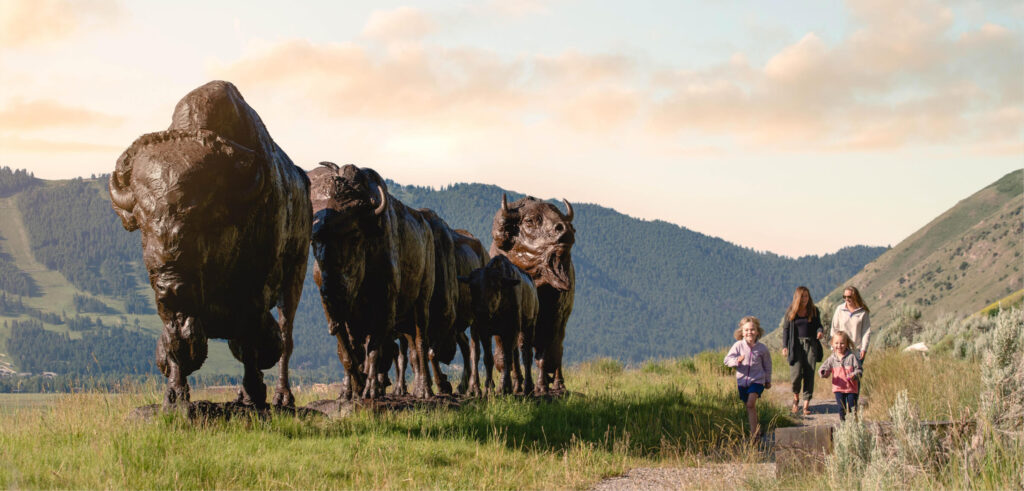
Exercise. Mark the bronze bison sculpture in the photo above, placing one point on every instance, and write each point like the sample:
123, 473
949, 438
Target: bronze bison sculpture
225, 220
375, 268
538, 238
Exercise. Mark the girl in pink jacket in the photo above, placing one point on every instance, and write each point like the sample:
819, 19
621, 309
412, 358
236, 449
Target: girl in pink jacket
844, 367
753, 364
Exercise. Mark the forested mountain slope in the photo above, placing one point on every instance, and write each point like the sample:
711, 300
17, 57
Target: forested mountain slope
645, 289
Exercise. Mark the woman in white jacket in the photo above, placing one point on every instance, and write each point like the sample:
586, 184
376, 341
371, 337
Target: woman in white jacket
853, 318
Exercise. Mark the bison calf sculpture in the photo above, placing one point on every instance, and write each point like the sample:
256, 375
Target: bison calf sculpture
538, 239
225, 219
505, 307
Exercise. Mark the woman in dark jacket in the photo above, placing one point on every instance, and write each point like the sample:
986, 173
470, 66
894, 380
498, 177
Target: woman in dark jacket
800, 334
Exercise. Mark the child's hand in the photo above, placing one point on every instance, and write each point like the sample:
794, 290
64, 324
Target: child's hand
768, 385
785, 351
740, 359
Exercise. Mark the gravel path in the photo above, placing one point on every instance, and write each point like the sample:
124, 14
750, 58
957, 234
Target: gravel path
711, 476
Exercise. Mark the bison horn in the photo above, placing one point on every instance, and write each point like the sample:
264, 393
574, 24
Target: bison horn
121, 196
504, 203
330, 165
383, 201
568, 214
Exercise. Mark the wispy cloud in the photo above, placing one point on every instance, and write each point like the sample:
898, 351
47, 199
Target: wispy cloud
26, 22
44, 146
24, 115
402, 23
901, 77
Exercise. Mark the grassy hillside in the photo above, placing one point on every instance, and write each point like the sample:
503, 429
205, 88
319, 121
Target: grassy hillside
960, 262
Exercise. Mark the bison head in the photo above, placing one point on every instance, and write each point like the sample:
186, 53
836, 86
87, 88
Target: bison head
171, 185
486, 285
537, 237
349, 209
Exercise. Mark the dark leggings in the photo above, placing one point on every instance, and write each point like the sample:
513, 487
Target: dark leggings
802, 372
847, 403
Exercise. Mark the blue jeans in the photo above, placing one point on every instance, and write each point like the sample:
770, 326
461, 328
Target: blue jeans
847, 402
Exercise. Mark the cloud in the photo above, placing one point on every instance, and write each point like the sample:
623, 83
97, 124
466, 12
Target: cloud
901, 77
39, 114
409, 82
26, 22
31, 145
519, 8
402, 23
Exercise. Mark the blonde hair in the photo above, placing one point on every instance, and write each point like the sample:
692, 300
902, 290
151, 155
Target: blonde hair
738, 333
846, 337
858, 301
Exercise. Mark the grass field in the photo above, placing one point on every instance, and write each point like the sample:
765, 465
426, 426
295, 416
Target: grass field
666, 413
669, 413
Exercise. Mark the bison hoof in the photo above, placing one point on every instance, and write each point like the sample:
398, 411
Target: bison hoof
444, 387
176, 395
284, 398
421, 391
527, 388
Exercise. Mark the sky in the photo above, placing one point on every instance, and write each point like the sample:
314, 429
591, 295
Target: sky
795, 127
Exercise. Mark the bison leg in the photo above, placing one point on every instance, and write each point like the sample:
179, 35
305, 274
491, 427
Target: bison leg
293, 278
555, 365
488, 365
526, 352
177, 391
463, 342
254, 391
543, 383
180, 351
401, 387
353, 369
506, 347
443, 386
422, 386
473, 364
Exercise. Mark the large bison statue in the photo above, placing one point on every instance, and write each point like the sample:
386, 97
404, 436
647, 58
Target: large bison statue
374, 265
225, 219
538, 238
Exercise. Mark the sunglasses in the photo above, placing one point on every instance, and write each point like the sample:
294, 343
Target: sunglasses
847, 297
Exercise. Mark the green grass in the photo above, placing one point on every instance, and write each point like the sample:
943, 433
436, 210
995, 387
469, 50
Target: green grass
11, 402
682, 412
1015, 299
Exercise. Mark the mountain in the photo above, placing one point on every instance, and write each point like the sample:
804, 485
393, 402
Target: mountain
645, 289
956, 265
